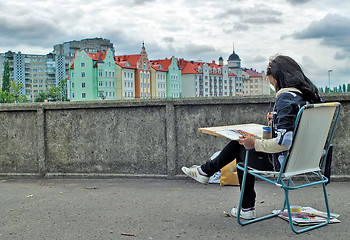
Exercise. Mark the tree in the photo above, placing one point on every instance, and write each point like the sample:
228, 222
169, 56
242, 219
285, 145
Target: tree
63, 86
15, 92
348, 88
41, 98
6, 78
344, 88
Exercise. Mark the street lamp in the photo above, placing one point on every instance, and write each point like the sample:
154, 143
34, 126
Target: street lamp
329, 79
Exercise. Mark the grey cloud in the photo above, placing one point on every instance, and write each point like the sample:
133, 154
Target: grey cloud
260, 59
27, 30
333, 30
253, 11
299, 1
262, 20
341, 56
168, 39
257, 15
241, 26
309, 63
142, 2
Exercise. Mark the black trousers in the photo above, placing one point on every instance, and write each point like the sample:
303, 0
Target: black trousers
233, 150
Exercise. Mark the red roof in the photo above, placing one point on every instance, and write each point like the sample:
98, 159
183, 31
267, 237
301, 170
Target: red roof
132, 59
165, 63
252, 73
95, 56
191, 67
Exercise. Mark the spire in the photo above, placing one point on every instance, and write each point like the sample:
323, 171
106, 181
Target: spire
233, 47
143, 45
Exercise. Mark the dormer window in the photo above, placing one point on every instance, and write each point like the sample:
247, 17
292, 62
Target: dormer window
161, 67
199, 69
127, 64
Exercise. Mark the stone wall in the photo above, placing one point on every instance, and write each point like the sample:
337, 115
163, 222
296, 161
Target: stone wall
131, 138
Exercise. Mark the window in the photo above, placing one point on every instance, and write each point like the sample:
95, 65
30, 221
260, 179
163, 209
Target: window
83, 95
72, 84
82, 64
83, 84
72, 75
100, 72
82, 74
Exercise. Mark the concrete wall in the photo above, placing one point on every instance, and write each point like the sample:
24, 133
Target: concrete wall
139, 138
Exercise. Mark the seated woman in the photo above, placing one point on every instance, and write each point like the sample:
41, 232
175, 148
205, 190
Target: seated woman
293, 90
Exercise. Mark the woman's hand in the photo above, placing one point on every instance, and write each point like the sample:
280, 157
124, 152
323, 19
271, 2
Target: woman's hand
269, 116
247, 141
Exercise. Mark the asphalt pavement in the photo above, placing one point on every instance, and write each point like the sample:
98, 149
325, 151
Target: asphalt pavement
146, 208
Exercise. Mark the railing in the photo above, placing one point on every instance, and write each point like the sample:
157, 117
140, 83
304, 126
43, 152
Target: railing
132, 138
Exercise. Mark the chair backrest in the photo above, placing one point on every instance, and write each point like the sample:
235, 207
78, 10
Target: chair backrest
313, 133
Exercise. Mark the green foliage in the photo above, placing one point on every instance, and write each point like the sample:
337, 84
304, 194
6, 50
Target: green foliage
6, 78
54, 94
14, 94
41, 98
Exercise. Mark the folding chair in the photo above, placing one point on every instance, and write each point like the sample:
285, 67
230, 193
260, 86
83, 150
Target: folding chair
312, 136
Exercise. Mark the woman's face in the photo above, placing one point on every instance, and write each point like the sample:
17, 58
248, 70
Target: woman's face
272, 81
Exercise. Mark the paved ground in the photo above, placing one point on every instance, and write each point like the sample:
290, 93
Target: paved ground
151, 209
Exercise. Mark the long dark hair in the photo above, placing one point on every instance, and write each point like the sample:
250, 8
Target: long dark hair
288, 74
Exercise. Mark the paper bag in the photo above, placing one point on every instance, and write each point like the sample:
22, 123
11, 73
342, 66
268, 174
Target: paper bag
229, 174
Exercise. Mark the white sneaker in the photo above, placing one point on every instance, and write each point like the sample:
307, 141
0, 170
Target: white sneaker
194, 173
249, 214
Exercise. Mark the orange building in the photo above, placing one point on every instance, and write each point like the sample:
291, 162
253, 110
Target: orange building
142, 66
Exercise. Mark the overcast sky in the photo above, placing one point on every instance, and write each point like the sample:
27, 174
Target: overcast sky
316, 33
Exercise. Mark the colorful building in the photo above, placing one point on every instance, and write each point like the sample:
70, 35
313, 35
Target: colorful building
255, 83
201, 79
173, 83
93, 76
142, 66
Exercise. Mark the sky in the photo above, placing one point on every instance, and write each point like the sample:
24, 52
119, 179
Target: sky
316, 33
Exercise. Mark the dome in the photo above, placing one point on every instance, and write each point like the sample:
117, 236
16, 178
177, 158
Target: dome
234, 57
221, 59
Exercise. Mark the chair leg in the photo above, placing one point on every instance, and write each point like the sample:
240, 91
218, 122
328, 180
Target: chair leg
313, 226
241, 198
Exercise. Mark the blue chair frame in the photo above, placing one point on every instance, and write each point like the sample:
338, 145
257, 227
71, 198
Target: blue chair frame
286, 186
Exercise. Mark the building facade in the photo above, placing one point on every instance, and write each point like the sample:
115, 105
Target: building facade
201, 79
255, 83
93, 76
36, 72
65, 52
142, 86
170, 85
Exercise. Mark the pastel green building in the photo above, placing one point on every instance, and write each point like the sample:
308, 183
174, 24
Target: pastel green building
174, 87
173, 76
93, 76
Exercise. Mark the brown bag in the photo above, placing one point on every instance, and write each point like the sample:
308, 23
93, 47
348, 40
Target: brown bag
229, 174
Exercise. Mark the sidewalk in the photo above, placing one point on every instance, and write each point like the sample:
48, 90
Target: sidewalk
152, 209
